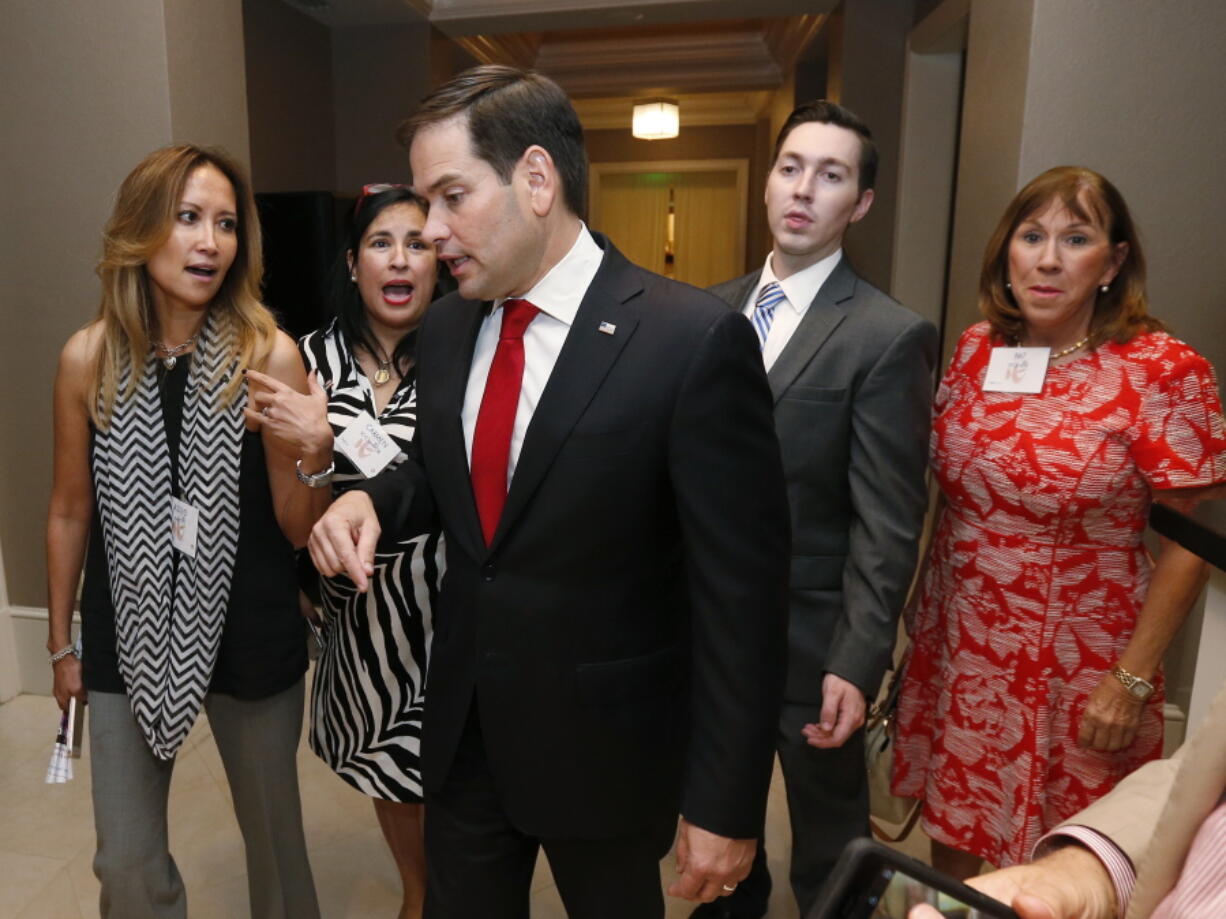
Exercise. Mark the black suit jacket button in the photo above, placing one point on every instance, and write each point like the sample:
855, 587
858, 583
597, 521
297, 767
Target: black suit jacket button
488, 572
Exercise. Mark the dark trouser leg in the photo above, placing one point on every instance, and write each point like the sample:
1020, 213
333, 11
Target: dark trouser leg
478, 866
258, 743
611, 878
827, 800
130, 788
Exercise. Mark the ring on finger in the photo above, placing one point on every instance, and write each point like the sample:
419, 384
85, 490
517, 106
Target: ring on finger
266, 411
728, 888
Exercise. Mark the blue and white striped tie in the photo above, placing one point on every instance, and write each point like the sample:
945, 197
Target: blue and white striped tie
769, 297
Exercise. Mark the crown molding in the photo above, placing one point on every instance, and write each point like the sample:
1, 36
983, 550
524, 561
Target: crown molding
519, 49
676, 63
752, 54
788, 38
469, 17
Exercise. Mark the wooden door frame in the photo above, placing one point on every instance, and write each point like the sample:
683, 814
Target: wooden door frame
740, 167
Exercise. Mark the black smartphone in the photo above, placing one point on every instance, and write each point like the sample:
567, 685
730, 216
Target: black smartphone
872, 881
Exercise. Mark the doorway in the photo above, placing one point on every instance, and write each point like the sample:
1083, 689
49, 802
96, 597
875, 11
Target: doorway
684, 219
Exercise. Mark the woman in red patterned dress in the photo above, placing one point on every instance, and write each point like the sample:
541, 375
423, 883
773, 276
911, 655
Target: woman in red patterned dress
1040, 621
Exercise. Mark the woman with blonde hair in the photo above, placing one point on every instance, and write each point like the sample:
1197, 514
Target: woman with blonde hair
183, 506
1040, 621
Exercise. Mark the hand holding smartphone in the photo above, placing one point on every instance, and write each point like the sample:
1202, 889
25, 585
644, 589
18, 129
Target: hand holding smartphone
872, 881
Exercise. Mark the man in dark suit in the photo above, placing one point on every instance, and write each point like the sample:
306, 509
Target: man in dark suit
597, 441
851, 373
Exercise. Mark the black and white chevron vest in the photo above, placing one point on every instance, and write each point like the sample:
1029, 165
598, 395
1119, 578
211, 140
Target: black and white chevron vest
168, 629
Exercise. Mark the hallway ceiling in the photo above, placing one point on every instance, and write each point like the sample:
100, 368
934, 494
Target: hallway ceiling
699, 57
473, 17
720, 58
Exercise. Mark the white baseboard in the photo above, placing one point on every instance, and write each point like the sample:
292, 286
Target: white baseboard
10, 677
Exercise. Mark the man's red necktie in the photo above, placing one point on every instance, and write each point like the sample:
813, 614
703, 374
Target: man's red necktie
496, 418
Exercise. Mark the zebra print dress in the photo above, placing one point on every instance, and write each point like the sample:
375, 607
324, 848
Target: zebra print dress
366, 702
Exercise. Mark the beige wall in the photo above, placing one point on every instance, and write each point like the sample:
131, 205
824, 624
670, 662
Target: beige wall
872, 60
926, 181
993, 123
379, 74
289, 98
88, 92
1140, 98
325, 103
208, 93
93, 99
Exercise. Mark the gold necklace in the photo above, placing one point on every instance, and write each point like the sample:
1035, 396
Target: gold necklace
383, 368
383, 373
1065, 352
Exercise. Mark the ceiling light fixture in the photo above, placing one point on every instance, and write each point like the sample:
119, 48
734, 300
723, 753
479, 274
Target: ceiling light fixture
656, 119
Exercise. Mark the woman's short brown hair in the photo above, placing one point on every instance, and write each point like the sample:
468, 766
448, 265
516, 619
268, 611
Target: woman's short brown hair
1120, 313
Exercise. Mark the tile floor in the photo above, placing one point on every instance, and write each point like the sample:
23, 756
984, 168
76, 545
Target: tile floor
47, 838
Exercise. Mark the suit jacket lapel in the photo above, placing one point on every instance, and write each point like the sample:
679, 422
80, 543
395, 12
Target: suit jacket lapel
585, 360
820, 319
742, 291
451, 479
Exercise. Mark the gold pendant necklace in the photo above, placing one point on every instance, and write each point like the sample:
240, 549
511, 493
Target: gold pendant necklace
383, 373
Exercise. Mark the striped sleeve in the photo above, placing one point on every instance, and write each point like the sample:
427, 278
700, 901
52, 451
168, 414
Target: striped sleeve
1118, 865
1201, 888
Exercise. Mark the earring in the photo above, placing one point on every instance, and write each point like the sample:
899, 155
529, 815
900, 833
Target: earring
353, 276
1104, 288
1008, 286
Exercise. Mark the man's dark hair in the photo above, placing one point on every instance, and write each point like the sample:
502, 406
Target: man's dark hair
832, 113
508, 111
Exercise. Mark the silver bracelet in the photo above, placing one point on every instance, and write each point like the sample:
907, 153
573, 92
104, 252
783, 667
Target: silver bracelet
62, 653
315, 479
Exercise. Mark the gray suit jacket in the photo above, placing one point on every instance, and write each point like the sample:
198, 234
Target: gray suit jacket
853, 403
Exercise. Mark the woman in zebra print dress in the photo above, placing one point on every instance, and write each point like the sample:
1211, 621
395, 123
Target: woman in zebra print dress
366, 702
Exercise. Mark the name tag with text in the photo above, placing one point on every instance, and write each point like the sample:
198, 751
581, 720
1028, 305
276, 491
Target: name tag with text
1016, 370
367, 445
184, 525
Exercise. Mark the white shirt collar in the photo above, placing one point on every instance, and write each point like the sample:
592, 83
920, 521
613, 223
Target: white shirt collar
563, 287
801, 288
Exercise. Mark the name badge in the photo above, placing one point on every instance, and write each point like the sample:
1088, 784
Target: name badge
367, 445
1016, 370
184, 524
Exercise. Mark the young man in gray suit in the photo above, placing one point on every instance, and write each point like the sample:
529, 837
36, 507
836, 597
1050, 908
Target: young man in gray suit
851, 373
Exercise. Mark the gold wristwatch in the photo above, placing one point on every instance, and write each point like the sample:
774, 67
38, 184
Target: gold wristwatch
1139, 689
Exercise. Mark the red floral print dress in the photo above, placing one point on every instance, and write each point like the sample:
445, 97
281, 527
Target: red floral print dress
1034, 580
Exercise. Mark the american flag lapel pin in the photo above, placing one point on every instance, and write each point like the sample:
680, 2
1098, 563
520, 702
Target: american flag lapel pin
608, 328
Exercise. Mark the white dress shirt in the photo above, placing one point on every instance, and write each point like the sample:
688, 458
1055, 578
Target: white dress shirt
800, 289
557, 295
